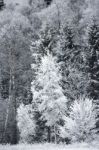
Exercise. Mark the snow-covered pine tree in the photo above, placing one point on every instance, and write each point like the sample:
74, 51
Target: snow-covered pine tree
80, 125
93, 65
39, 49
48, 93
66, 46
71, 61
93, 61
45, 42
26, 123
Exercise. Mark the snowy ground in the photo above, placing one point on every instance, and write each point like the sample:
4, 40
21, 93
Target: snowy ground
50, 147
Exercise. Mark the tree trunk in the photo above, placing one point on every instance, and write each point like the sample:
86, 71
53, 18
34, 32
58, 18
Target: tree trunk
12, 107
49, 134
14, 134
55, 135
7, 112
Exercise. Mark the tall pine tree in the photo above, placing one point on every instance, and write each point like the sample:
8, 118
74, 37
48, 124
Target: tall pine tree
48, 93
70, 58
93, 61
93, 65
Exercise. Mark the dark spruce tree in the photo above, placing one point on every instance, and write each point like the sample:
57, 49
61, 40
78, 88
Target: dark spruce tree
93, 65
93, 61
70, 49
70, 58
66, 46
40, 128
47, 40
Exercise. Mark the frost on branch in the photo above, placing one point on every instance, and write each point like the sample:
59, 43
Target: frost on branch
48, 94
26, 124
80, 125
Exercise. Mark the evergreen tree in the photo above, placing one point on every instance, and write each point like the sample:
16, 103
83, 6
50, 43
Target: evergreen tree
48, 92
40, 129
93, 65
45, 42
39, 49
71, 61
93, 61
66, 44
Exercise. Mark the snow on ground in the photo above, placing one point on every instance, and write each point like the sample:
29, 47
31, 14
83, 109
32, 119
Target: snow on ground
50, 147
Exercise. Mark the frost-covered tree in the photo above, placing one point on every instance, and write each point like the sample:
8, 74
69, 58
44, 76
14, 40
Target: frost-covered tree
14, 69
26, 123
62, 11
48, 92
93, 64
70, 57
45, 42
93, 61
80, 125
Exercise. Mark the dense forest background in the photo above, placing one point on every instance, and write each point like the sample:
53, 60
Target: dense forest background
49, 57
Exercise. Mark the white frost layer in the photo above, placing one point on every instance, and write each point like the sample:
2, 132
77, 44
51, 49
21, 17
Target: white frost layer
50, 147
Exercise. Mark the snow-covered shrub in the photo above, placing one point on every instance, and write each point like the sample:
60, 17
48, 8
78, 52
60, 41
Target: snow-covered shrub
26, 123
80, 125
